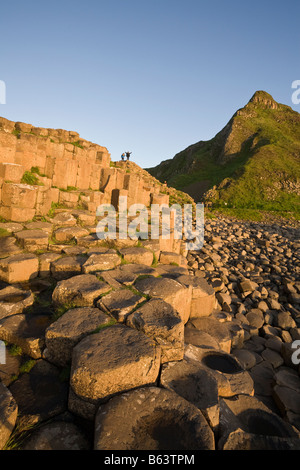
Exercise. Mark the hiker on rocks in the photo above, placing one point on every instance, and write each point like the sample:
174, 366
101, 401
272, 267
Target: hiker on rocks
123, 156
128, 155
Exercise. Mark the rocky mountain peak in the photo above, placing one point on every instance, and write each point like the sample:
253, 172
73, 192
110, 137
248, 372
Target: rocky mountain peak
262, 98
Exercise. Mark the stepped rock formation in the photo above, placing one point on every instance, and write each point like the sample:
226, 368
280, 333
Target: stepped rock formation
136, 344
67, 171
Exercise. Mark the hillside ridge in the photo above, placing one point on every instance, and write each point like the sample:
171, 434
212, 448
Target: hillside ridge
253, 162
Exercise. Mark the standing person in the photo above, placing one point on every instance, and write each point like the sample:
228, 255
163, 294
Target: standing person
123, 156
128, 155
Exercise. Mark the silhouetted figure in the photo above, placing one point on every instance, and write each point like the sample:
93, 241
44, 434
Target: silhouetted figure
128, 155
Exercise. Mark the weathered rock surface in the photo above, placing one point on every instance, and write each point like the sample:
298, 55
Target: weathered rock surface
120, 303
203, 295
40, 394
79, 291
8, 246
249, 418
101, 262
64, 218
19, 268
14, 300
160, 321
114, 360
151, 419
246, 279
169, 290
66, 234
33, 240
231, 378
67, 266
137, 255
59, 436
213, 327
27, 331
194, 383
63, 335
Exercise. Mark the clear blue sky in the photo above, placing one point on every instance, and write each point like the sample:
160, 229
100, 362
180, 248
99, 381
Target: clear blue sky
151, 77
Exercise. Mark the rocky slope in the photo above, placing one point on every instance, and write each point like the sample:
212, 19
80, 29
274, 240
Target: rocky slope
254, 162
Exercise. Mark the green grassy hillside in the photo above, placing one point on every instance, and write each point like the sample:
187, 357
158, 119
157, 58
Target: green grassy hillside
253, 163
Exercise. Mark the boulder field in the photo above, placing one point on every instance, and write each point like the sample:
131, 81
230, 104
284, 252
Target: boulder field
125, 345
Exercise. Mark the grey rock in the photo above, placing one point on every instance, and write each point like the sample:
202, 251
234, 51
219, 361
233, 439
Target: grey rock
287, 399
160, 321
203, 295
40, 393
137, 255
245, 357
8, 247
27, 331
246, 423
200, 338
217, 330
232, 379
194, 383
288, 378
79, 291
273, 357
59, 436
33, 240
63, 335
66, 234
101, 262
170, 291
113, 361
285, 321
14, 300
120, 303
65, 219
66, 267
255, 318
151, 418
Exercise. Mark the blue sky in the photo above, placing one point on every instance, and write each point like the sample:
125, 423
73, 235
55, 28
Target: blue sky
151, 77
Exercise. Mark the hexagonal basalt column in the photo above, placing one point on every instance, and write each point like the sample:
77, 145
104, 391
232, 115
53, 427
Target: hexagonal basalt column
194, 383
151, 418
33, 240
247, 424
116, 359
160, 321
231, 377
203, 295
79, 291
14, 300
19, 268
63, 335
170, 291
